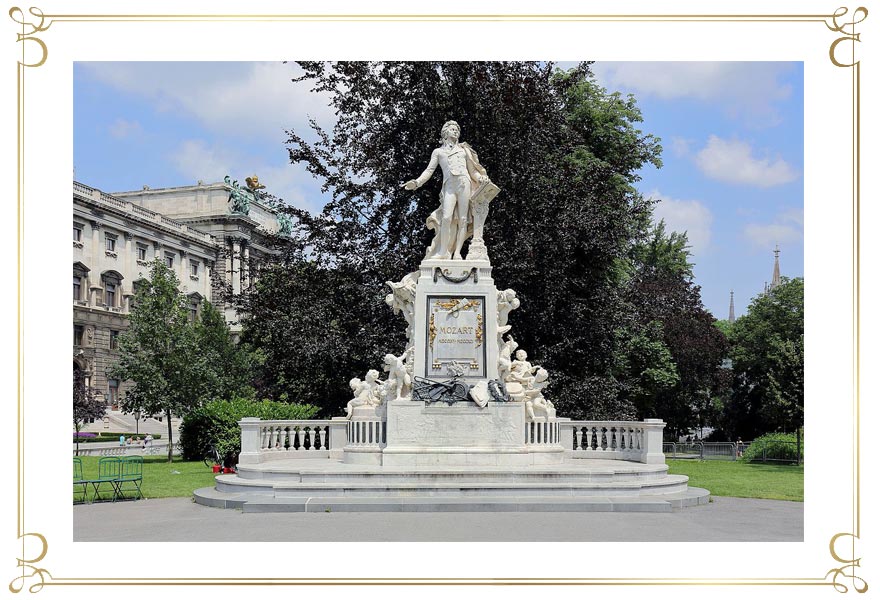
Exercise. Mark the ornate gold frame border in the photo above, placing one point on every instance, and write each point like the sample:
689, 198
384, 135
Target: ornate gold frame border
842, 546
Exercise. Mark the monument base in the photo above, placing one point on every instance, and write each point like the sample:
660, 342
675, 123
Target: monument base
463, 434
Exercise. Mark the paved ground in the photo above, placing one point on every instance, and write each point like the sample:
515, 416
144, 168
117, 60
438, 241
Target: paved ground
722, 520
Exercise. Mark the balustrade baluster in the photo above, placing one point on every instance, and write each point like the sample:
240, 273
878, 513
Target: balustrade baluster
578, 434
264, 433
322, 435
272, 434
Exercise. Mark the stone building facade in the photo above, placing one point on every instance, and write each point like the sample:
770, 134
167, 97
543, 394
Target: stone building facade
212, 248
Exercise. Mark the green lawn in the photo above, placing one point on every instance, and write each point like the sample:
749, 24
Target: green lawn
161, 479
721, 478
742, 479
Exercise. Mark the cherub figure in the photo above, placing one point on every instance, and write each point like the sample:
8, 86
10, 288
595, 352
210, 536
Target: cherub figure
366, 393
533, 396
504, 358
399, 384
507, 301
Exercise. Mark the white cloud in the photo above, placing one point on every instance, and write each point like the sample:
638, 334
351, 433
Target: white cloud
251, 100
793, 215
731, 161
766, 236
685, 216
750, 90
787, 227
197, 160
681, 146
122, 129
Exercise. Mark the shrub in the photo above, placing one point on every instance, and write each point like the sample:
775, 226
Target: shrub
774, 446
216, 423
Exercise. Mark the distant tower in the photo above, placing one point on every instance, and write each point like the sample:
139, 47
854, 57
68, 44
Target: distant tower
732, 316
775, 281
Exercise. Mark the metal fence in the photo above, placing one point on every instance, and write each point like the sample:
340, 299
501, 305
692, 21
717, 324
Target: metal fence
700, 450
765, 452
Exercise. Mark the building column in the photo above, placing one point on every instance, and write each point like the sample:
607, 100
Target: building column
130, 268
236, 260
227, 276
183, 269
246, 268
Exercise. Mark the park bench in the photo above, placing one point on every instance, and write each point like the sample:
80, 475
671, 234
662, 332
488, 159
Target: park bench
121, 475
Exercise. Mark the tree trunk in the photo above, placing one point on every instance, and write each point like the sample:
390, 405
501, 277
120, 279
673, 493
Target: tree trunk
170, 449
77, 441
798, 446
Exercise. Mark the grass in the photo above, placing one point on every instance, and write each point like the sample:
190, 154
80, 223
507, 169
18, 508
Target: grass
162, 479
722, 478
741, 479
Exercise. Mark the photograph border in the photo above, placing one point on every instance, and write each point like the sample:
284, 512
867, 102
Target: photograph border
33, 575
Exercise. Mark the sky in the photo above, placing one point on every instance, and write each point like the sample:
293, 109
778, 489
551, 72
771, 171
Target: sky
732, 137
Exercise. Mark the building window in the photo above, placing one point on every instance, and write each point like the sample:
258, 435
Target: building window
77, 232
114, 340
110, 294
169, 260
195, 301
194, 268
80, 280
142, 252
110, 242
112, 282
113, 393
77, 335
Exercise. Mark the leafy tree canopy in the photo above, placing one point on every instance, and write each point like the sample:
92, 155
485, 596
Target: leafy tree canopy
768, 358
607, 301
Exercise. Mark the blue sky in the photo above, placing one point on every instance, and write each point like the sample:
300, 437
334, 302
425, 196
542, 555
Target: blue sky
732, 136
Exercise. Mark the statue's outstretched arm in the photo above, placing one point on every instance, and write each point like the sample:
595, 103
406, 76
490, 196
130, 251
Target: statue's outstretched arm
419, 181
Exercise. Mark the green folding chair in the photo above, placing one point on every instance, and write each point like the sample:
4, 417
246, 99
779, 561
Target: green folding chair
131, 473
108, 476
80, 485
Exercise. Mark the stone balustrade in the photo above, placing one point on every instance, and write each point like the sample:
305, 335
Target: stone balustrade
640, 441
261, 441
542, 433
273, 440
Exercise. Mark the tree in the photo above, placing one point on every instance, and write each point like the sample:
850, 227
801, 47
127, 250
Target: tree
768, 360
85, 406
232, 364
555, 142
160, 352
666, 303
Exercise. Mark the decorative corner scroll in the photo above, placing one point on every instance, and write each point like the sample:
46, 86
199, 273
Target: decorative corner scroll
28, 29
848, 29
28, 570
848, 570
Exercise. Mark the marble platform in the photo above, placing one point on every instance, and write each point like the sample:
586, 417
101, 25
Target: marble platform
331, 485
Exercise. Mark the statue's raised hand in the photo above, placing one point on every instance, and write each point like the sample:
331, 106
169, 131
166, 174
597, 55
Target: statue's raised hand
410, 185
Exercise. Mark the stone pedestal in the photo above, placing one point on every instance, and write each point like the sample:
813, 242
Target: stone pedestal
456, 319
461, 434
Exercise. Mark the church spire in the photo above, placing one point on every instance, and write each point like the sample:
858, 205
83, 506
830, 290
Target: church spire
732, 316
775, 281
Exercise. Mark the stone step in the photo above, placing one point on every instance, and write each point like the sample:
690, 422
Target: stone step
257, 504
555, 487
453, 474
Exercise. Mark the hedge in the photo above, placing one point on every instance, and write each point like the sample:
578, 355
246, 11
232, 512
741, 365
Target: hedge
774, 446
216, 423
